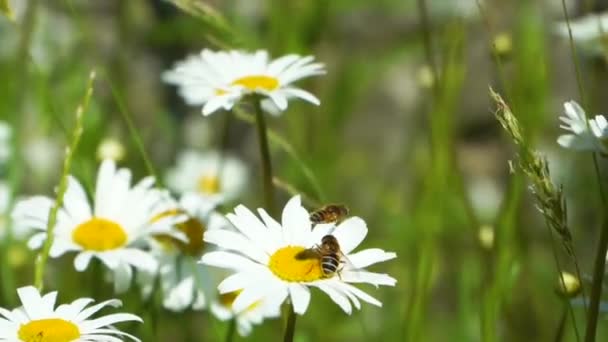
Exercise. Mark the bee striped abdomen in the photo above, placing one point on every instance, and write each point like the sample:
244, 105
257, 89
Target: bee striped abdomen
330, 263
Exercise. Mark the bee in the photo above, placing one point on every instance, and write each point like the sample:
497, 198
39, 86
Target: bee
329, 214
328, 252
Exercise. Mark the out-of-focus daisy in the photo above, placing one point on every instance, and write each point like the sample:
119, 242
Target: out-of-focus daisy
111, 229
586, 135
223, 309
220, 177
111, 148
220, 79
183, 282
42, 156
590, 32
466, 9
263, 255
39, 320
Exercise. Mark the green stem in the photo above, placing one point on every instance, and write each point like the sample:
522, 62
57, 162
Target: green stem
291, 325
137, 139
561, 327
596, 285
63, 185
231, 330
265, 154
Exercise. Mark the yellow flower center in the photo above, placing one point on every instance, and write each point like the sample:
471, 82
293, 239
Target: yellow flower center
209, 184
283, 264
256, 82
99, 234
192, 228
48, 330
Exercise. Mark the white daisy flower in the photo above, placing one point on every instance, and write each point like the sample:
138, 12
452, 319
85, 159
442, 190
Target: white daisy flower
183, 282
223, 309
263, 254
219, 177
220, 79
112, 229
39, 320
586, 135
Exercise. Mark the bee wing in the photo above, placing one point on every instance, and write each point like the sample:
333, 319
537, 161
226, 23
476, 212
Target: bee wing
346, 261
310, 253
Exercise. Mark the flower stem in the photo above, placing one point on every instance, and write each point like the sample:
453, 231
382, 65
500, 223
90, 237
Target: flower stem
291, 325
231, 330
596, 285
63, 185
265, 154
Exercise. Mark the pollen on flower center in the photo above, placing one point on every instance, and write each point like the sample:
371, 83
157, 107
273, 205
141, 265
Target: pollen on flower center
209, 184
256, 82
99, 234
48, 330
283, 264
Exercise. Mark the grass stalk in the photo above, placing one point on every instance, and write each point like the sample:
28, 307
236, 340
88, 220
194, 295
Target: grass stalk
265, 155
63, 185
231, 330
133, 132
602, 246
291, 325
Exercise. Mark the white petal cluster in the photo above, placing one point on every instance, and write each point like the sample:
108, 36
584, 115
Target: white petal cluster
584, 135
219, 177
220, 79
77, 316
249, 251
120, 216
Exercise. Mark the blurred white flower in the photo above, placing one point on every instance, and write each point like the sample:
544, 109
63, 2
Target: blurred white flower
220, 177
39, 320
263, 255
219, 80
183, 282
51, 40
455, 8
590, 32
586, 135
42, 155
223, 309
111, 148
486, 197
111, 229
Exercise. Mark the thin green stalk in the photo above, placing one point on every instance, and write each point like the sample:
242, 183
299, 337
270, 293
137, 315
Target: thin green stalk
265, 155
291, 325
497, 59
577, 70
563, 285
561, 327
231, 330
133, 131
276, 139
596, 285
428, 43
602, 247
63, 185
